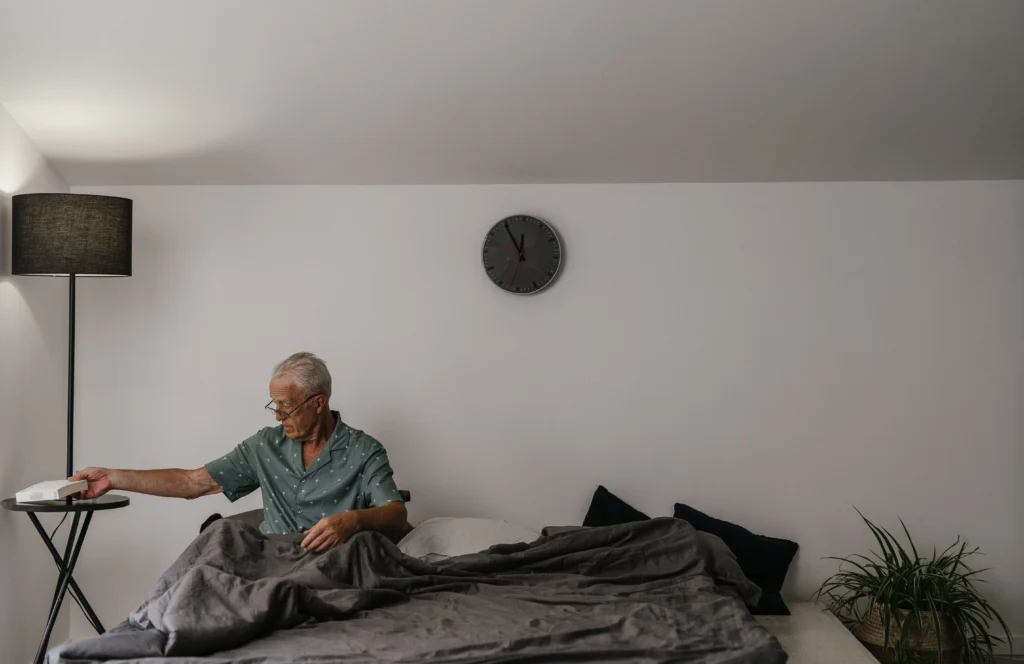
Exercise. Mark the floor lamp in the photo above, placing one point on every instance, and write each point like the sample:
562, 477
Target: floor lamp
71, 235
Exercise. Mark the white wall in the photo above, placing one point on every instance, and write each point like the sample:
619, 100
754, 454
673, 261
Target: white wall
33, 380
774, 354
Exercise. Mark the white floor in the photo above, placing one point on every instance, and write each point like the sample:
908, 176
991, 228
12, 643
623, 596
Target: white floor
814, 636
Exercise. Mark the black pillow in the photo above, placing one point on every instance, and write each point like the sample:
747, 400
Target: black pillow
206, 524
606, 509
765, 560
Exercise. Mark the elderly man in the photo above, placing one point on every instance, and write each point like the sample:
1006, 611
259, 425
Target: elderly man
318, 476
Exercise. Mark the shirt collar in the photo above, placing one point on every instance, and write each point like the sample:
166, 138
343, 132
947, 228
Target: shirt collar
338, 427
337, 436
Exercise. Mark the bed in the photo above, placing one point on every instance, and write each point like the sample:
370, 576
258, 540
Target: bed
651, 591
640, 592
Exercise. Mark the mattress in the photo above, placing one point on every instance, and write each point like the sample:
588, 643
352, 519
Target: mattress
812, 635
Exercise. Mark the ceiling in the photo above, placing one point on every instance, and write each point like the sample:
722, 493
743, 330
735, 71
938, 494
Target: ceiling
517, 91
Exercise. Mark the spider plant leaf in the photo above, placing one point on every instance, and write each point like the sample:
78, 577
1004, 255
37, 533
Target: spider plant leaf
896, 547
976, 631
935, 621
904, 622
854, 563
887, 555
1005, 628
886, 621
891, 545
910, 539
971, 573
946, 551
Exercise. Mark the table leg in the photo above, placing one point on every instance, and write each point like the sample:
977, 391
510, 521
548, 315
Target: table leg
69, 548
73, 548
76, 592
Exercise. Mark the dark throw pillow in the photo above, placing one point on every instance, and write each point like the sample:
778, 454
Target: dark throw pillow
608, 510
764, 560
727, 572
211, 519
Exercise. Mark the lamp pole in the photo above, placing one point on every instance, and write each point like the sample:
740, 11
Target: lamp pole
71, 374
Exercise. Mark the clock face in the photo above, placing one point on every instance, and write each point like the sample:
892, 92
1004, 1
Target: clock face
522, 254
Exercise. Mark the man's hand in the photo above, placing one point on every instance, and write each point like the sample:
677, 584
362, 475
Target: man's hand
99, 479
330, 531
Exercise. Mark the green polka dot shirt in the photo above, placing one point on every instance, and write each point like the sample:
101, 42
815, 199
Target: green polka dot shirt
351, 472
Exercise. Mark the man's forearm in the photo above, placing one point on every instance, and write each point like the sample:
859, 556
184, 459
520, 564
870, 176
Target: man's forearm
169, 482
391, 519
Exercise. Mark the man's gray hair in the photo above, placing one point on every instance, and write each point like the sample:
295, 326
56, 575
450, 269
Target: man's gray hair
309, 371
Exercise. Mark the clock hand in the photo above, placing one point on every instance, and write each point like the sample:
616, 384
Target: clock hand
519, 262
518, 247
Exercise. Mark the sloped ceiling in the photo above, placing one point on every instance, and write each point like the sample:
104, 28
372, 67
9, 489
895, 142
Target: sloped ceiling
509, 91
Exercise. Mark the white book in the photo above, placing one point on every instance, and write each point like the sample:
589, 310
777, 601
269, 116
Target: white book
52, 490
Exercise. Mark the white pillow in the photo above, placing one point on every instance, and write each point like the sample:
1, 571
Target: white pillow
456, 536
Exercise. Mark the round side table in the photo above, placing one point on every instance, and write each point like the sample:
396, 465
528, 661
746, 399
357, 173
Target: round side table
66, 564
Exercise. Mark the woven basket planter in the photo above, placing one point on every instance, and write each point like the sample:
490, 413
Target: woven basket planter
921, 639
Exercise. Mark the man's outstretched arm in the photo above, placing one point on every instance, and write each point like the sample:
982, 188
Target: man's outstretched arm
169, 482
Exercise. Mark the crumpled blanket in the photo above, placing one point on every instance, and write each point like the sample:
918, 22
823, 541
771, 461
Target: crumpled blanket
638, 592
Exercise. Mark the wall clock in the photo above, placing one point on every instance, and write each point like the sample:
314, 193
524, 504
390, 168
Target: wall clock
522, 254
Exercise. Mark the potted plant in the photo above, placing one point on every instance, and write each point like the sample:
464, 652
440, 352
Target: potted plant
909, 608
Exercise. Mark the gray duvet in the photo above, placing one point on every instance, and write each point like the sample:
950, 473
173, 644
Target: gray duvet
638, 592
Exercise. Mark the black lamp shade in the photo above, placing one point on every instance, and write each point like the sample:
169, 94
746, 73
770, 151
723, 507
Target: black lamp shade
64, 234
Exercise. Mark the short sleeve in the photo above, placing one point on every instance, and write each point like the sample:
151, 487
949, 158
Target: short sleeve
378, 483
234, 472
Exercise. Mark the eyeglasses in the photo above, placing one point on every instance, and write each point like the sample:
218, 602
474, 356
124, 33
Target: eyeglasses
284, 415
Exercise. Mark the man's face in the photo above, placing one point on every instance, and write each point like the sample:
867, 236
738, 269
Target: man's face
287, 398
